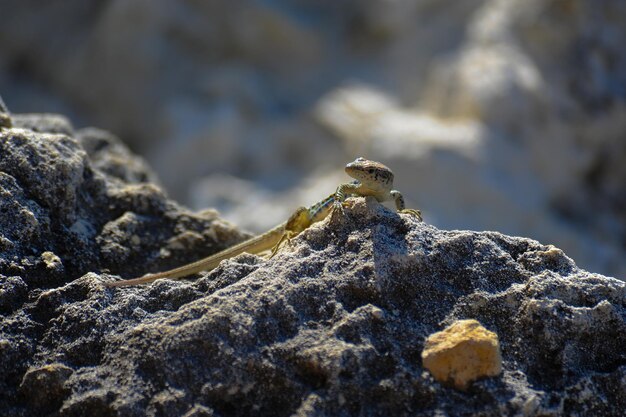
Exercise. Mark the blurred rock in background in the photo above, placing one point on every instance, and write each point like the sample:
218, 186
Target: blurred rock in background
507, 115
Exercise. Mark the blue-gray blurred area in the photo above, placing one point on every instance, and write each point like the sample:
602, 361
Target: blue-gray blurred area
506, 115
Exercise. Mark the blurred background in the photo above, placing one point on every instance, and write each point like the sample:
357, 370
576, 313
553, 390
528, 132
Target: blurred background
506, 115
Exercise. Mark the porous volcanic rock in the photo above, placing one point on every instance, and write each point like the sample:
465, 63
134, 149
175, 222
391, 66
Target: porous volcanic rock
71, 203
334, 324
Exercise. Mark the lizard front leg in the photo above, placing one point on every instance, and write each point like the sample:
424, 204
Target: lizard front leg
297, 222
343, 191
400, 206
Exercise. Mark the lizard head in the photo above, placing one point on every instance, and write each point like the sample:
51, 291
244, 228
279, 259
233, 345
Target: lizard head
370, 173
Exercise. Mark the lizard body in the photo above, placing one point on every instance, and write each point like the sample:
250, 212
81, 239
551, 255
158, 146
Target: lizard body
370, 179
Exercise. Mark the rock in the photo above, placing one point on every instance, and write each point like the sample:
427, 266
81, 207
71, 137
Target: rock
462, 353
338, 314
111, 156
498, 115
43, 388
13, 293
44, 123
334, 324
73, 203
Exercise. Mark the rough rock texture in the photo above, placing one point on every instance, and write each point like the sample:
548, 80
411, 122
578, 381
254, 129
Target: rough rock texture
462, 353
333, 325
72, 203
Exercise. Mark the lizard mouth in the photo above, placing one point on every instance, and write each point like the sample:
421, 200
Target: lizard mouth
352, 164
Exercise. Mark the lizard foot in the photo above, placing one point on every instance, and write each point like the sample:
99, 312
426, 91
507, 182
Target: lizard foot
412, 212
286, 238
338, 208
337, 211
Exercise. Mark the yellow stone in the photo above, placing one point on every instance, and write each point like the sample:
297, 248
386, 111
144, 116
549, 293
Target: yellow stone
462, 353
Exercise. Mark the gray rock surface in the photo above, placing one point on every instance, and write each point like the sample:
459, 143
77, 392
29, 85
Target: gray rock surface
69, 204
333, 325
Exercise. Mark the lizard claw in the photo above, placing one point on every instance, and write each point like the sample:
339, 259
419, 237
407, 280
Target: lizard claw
338, 208
412, 212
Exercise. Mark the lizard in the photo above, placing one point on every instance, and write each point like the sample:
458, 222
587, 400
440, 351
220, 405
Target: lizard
370, 179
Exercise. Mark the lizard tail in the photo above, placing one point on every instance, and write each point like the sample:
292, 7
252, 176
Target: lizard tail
206, 264
135, 281
257, 244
